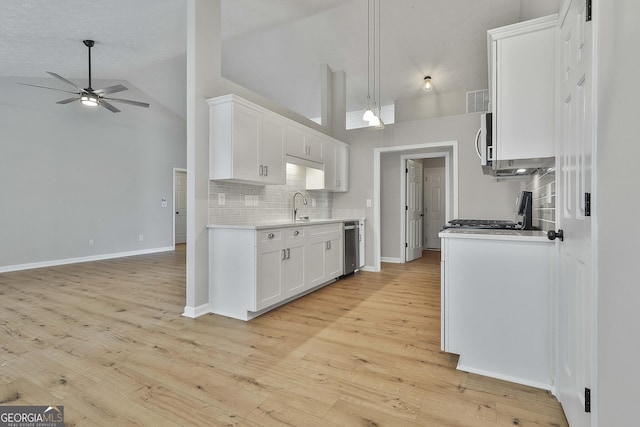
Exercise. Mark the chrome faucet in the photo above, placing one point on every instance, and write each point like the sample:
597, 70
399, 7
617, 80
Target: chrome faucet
295, 210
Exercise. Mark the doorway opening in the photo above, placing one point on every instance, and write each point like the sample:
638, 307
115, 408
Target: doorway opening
425, 202
179, 206
390, 185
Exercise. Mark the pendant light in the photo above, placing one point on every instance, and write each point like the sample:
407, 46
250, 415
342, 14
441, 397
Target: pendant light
373, 113
368, 115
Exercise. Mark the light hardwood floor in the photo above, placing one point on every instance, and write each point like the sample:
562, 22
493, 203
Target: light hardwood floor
106, 340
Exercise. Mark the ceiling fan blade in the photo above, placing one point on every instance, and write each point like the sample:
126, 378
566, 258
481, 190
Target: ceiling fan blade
68, 100
59, 77
50, 88
108, 106
128, 101
110, 89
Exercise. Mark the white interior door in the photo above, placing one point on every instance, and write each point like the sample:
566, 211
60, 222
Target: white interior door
434, 205
575, 161
414, 210
180, 203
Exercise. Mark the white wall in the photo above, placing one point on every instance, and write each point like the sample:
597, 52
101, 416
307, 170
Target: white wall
618, 273
530, 9
165, 82
479, 196
69, 174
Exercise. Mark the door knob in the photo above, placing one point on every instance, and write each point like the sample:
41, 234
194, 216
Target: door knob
551, 235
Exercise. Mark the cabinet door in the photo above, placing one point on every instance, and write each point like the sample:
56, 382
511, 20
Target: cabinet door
295, 141
330, 153
246, 142
314, 148
272, 149
342, 168
524, 122
333, 257
315, 268
269, 278
294, 277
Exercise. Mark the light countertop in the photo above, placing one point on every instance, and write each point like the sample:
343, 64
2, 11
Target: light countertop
513, 235
282, 223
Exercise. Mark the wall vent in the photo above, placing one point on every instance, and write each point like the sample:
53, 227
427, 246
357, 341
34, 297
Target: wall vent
478, 101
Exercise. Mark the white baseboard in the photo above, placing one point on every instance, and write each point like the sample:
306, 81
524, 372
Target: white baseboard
500, 376
369, 268
65, 261
198, 311
392, 260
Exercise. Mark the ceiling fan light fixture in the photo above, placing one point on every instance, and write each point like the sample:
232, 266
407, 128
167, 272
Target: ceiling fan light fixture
89, 101
427, 85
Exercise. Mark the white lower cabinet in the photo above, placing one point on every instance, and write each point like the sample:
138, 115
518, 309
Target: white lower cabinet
497, 307
270, 275
324, 246
252, 271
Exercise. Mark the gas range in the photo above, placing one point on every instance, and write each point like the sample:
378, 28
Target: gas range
491, 224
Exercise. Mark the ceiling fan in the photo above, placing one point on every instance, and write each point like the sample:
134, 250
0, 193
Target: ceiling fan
89, 96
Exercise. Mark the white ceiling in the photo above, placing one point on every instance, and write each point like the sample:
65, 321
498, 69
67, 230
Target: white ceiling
274, 47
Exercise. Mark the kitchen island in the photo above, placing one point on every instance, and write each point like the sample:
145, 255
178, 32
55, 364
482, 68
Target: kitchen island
496, 301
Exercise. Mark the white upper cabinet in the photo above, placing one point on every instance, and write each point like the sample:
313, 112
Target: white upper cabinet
246, 144
303, 144
522, 86
336, 166
250, 144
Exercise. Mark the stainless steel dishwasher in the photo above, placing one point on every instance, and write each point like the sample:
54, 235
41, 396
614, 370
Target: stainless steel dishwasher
351, 246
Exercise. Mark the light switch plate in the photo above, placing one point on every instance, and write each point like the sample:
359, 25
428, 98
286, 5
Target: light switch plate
368, 203
221, 199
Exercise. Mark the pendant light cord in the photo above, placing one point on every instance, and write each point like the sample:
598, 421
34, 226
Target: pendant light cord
379, 62
368, 54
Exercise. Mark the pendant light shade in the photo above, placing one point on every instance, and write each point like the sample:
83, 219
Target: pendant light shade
368, 115
375, 121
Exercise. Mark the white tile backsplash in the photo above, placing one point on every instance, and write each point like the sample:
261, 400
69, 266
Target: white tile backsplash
248, 204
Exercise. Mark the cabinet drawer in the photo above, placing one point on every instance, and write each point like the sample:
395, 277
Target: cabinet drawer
316, 230
268, 236
297, 233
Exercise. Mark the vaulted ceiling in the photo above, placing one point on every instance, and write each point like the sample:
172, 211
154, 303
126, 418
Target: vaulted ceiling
274, 47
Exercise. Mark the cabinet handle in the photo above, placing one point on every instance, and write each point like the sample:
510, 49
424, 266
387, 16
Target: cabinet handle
337, 183
271, 235
295, 233
328, 245
260, 170
266, 170
288, 253
284, 254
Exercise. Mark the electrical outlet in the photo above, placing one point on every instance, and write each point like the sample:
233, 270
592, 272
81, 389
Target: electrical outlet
164, 202
140, 238
90, 242
255, 200
313, 203
221, 198
368, 203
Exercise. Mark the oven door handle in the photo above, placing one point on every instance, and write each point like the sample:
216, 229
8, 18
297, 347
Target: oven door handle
478, 143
